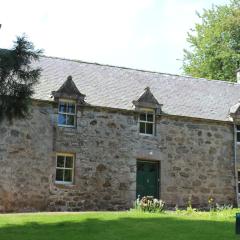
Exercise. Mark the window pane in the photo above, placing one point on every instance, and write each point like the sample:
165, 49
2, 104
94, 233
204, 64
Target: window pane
61, 119
68, 176
62, 107
142, 127
150, 117
239, 176
69, 162
59, 174
71, 107
239, 188
238, 127
149, 128
238, 137
70, 120
60, 161
143, 116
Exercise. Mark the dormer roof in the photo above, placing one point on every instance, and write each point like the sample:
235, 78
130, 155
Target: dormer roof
69, 91
234, 112
147, 100
147, 97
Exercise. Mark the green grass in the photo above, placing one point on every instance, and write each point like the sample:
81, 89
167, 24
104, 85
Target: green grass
118, 226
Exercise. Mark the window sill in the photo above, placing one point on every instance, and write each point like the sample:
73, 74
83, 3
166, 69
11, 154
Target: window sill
64, 185
148, 135
67, 126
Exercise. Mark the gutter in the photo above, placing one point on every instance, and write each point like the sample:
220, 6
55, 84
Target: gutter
235, 163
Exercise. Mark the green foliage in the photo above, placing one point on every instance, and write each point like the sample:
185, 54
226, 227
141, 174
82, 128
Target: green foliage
211, 204
190, 209
149, 204
215, 44
216, 207
17, 78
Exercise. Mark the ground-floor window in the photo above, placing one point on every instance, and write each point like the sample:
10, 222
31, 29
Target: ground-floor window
239, 181
64, 168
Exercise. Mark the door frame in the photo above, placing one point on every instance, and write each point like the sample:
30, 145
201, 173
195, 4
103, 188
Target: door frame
158, 163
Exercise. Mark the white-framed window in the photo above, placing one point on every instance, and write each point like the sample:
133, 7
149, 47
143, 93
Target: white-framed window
64, 168
238, 133
147, 122
67, 113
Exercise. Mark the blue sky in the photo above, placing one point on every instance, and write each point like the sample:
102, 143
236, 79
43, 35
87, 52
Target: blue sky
143, 34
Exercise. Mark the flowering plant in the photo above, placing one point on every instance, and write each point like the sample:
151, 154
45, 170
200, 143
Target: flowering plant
149, 204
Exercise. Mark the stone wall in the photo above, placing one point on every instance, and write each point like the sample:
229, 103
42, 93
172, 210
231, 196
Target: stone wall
196, 159
25, 154
105, 168
199, 162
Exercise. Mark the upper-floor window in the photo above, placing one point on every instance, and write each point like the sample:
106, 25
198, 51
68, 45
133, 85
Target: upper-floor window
67, 113
64, 168
146, 123
238, 133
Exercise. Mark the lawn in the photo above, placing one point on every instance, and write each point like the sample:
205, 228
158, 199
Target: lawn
118, 226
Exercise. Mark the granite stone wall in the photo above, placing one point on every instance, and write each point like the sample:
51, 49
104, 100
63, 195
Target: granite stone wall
196, 158
199, 162
25, 158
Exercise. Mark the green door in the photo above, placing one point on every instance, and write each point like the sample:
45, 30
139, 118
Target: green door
147, 179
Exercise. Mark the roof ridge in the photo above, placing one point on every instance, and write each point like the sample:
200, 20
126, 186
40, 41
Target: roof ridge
142, 70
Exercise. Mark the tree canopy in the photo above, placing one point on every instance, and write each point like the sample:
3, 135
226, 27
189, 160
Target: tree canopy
17, 78
215, 43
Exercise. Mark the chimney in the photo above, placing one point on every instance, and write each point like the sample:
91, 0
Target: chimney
238, 75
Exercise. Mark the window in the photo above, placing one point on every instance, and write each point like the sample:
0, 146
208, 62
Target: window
67, 113
64, 168
146, 123
238, 133
238, 182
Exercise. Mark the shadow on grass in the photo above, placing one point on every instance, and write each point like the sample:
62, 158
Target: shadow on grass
122, 229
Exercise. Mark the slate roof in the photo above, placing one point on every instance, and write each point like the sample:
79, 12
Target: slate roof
117, 87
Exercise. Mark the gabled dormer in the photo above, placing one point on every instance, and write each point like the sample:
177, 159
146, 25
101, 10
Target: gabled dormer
69, 91
68, 98
147, 100
148, 107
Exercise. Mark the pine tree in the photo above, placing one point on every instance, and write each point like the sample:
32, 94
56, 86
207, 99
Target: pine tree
17, 78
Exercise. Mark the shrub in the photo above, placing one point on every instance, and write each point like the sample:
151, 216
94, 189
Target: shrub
149, 204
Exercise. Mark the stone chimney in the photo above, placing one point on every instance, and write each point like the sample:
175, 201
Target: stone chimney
238, 75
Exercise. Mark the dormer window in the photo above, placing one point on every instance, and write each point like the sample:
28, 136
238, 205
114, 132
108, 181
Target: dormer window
67, 113
68, 97
147, 107
146, 122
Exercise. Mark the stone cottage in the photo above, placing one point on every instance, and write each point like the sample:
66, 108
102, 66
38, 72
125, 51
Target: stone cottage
98, 136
